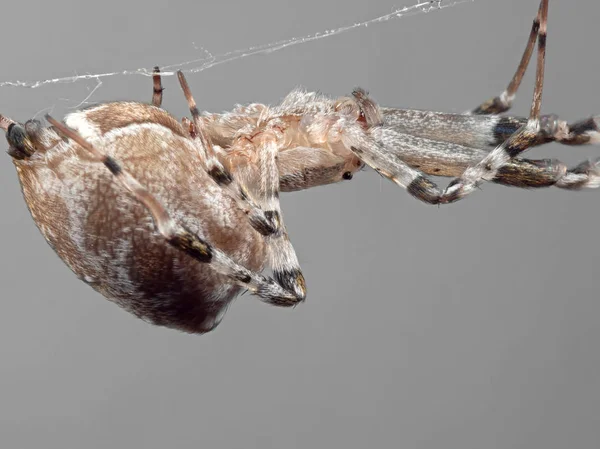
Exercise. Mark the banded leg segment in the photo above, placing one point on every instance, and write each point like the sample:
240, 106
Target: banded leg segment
267, 289
157, 94
524, 138
523, 173
371, 150
261, 175
444, 158
25, 140
485, 131
549, 172
260, 219
553, 129
19, 145
504, 101
390, 153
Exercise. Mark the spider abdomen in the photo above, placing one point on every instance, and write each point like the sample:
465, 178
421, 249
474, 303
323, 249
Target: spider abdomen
110, 240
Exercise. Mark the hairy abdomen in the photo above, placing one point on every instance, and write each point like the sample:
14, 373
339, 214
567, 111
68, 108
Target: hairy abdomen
109, 240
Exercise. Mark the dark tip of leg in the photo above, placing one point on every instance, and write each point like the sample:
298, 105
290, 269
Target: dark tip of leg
591, 124
15, 134
583, 132
18, 140
293, 281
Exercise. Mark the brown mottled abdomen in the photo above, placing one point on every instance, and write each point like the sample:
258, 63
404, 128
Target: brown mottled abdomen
109, 240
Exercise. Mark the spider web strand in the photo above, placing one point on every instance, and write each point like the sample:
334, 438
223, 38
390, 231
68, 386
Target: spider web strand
211, 60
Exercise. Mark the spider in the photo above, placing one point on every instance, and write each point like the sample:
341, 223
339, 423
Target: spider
172, 220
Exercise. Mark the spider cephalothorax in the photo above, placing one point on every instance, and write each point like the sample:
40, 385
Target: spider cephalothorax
171, 220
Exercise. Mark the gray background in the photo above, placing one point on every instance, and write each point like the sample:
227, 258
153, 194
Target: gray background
469, 326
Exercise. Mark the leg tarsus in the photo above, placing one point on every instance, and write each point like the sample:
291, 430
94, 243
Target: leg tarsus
553, 129
583, 132
21, 145
585, 175
157, 94
504, 101
524, 138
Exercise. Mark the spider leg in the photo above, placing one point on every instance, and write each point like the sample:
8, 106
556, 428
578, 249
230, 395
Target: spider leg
157, 94
586, 175
25, 140
503, 102
549, 172
376, 154
263, 221
444, 158
407, 160
485, 131
19, 144
268, 289
524, 138
523, 173
551, 129
261, 174
582, 132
